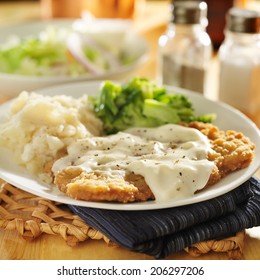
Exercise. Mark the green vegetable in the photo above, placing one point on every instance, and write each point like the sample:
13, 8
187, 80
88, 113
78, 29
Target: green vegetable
47, 54
142, 103
37, 57
96, 57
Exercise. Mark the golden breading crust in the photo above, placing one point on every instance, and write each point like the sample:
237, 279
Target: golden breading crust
232, 151
92, 187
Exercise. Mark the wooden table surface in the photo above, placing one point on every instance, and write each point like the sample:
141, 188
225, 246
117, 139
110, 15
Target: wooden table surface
50, 247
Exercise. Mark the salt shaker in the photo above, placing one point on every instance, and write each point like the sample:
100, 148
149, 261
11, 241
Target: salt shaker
239, 58
185, 50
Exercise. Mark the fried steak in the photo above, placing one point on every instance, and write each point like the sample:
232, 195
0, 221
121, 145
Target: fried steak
231, 151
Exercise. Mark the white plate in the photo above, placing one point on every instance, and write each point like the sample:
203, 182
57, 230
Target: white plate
12, 84
227, 118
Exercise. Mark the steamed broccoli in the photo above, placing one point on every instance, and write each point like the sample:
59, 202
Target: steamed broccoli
141, 103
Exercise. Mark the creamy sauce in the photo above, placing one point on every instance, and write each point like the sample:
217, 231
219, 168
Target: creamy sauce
171, 158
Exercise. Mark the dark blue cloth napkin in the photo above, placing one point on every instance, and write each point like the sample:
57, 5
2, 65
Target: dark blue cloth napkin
160, 233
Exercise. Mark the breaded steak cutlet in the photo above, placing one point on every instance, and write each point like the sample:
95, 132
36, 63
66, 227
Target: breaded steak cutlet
92, 187
231, 151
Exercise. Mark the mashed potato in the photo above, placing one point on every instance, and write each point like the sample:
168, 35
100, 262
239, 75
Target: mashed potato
39, 128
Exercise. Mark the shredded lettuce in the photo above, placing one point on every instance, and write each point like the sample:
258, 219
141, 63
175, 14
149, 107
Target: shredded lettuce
42, 55
47, 55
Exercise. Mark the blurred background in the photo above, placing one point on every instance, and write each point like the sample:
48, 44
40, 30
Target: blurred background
150, 19
13, 11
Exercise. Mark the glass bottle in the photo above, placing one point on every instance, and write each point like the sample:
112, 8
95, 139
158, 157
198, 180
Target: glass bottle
239, 58
185, 50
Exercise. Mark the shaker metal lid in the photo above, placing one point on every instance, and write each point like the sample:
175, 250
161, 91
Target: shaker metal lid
243, 21
189, 12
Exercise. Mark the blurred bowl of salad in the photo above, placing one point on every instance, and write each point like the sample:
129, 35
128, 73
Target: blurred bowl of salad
44, 53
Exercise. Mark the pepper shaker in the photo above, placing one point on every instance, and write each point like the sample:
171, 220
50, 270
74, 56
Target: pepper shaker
185, 50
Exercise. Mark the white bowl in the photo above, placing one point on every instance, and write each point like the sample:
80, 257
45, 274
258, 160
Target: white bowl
12, 84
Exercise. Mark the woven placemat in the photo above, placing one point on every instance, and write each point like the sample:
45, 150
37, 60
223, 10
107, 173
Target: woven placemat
32, 216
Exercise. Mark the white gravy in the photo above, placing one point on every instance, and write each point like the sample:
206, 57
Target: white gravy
171, 158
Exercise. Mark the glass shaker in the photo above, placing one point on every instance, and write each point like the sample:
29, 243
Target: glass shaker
239, 57
185, 50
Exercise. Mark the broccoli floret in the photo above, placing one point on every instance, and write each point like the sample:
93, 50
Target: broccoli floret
141, 103
163, 112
